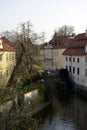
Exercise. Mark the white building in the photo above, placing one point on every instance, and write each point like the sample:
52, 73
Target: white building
75, 59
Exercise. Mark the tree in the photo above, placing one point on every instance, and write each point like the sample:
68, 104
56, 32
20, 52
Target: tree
65, 30
28, 52
27, 59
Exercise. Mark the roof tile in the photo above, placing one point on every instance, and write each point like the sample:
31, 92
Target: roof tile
74, 51
7, 45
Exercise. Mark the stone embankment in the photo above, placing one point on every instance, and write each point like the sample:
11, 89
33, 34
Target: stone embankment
80, 90
31, 99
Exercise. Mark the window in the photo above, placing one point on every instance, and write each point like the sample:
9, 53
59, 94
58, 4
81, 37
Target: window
13, 57
70, 59
56, 63
66, 59
56, 53
0, 56
78, 60
53, 63
7, 73
73, 59
9, 56
73, 70
69, 68
85, 59
85, 72
66, 67
6, 56
1, 74
78, 71
78, 79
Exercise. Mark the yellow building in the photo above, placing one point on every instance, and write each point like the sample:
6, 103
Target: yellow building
58, 57
7, 61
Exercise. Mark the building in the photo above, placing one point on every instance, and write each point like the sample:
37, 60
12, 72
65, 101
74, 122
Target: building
7, 60
75, 59
47, 56
52, 52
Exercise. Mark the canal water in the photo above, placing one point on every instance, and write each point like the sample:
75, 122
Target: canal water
66, 113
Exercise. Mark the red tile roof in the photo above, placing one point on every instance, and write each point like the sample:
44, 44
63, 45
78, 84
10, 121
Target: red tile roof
65, 43
76, 48
81, 36
74, 51
7, 45
58, 38
7, 41
79, 44
60, 41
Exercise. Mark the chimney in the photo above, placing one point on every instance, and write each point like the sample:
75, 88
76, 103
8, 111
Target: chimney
86, 33
85, 48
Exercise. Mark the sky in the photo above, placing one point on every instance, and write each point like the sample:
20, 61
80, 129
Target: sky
45, 15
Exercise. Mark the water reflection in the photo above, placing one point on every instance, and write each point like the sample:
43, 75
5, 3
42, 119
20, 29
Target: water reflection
58, 124
66, 114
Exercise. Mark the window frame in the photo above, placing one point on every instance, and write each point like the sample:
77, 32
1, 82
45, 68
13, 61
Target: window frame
73, 70
73, 59
70, 59
1, 57
78, 71
66, 58
1, 74
78, 60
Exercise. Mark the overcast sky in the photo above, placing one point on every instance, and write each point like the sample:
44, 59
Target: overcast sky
45, 15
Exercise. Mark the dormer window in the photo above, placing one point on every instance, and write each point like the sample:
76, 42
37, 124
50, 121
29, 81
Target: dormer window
1, 46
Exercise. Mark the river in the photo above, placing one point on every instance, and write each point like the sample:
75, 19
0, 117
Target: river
66, 113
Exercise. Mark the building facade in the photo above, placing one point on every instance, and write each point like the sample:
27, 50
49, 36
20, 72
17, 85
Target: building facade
47, 56
7, 61
75, 59
51, 53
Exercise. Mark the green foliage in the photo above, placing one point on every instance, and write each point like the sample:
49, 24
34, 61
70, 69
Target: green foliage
25, 77
18, 120
32, 86
28, 54
7, 95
